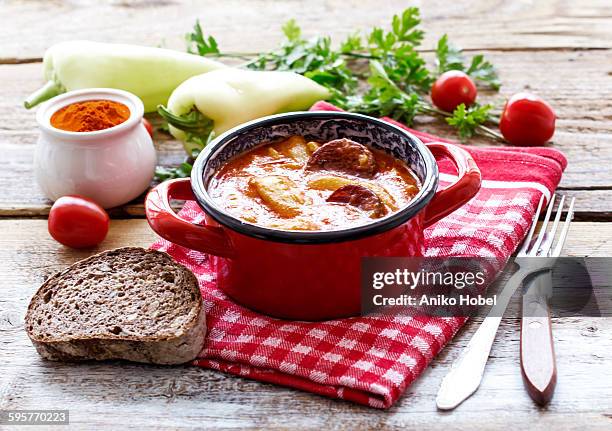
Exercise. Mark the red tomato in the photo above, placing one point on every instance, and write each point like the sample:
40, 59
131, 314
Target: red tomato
148, 126
451, 89
78, 222
527, 120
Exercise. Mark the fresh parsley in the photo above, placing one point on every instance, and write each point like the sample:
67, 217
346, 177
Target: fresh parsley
199, 44
395, 83
314, 58
449, 57
384, 97
468, 120
483, 71
163, 173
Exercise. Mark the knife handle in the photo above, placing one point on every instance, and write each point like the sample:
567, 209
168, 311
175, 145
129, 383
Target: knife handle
538, 365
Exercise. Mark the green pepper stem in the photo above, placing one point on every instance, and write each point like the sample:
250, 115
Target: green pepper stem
177, 121
197, 127
46, 92
193, 122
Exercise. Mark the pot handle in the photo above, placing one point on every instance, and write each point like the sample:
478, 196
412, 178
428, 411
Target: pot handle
461, 191
167, 224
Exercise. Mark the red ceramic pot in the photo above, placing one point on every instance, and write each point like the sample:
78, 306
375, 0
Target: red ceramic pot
308, 275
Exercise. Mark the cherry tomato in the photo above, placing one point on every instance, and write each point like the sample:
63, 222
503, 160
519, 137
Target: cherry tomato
78, 222
527, 120
451, 89
148, 126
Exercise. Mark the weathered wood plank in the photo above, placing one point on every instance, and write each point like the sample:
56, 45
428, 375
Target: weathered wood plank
26, 198
22, 197
579, 89
139, 396
498, 25
579, 92
551, 47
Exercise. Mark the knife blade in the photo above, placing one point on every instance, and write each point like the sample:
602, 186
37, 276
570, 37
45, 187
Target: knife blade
538, 365
468, 369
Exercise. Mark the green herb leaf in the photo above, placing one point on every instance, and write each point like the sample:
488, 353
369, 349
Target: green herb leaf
164, 128
408, 70
404, 27
197, 43
467, 120
447, 56
482, 70
314, 58
395, 84
163, 173
352, 44
292, 31
380, 42
385, 98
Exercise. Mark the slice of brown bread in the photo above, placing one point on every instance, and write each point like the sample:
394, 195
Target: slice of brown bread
129, 303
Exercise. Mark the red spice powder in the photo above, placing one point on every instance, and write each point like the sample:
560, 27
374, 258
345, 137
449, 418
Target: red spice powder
90, 116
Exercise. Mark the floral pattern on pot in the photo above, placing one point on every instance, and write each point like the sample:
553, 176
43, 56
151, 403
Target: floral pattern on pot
398, 144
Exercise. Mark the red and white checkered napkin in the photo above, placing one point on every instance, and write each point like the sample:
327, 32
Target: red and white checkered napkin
372, 360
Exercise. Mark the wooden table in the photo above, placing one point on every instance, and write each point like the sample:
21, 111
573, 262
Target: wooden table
558, 49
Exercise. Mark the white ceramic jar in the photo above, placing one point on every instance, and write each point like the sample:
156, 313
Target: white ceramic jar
111, 166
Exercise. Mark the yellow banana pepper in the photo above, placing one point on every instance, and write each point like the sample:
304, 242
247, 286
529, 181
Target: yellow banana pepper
210, 104
150, 73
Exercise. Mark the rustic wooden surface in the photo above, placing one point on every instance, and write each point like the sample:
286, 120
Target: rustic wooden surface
560, 49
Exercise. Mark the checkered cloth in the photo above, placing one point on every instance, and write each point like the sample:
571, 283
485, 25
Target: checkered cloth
372, 360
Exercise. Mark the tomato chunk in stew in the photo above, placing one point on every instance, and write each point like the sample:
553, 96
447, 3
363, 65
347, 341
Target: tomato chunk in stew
297, 184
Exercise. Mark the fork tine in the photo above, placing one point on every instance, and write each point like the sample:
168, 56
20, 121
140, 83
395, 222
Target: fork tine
553, 231
536, 246
547, 243
534, 222
563, 236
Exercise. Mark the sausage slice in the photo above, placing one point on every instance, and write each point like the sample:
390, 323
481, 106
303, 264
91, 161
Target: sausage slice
360, 197
343, 155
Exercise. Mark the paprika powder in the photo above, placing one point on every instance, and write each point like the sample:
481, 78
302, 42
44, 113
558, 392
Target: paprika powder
90, 116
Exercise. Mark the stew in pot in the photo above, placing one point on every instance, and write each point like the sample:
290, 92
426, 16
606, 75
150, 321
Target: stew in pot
297, 184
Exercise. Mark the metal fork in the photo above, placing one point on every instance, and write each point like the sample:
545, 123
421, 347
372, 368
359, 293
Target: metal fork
466, 372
